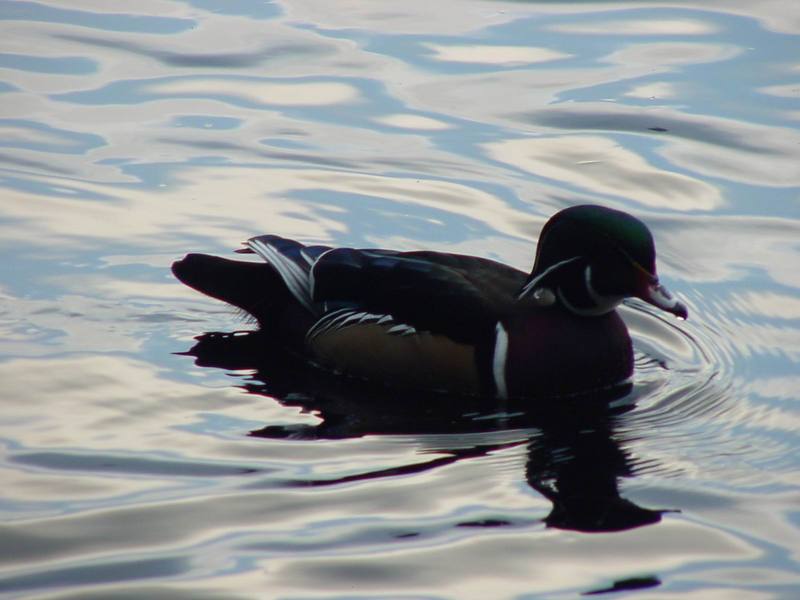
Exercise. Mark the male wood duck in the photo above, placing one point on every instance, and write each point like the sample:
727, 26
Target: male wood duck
460, 324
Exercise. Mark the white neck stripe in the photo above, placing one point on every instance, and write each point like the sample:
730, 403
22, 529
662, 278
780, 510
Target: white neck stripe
608, 303
605, 303
499, 361
587, 277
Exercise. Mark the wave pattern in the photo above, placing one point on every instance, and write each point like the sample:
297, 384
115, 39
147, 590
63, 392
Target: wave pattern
132, 135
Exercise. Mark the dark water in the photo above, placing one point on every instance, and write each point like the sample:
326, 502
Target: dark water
134, 132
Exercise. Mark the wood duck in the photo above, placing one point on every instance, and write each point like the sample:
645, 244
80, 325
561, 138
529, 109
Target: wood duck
460, 324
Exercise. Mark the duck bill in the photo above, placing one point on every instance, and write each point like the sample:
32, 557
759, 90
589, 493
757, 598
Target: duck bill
656, 294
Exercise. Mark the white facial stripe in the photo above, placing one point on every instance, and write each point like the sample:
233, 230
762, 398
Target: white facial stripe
499, 361
533, 282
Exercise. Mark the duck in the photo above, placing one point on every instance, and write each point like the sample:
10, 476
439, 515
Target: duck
453, 323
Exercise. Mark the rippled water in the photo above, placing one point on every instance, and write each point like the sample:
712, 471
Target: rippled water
132, 133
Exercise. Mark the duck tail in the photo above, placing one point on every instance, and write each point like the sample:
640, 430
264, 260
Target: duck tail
254, 287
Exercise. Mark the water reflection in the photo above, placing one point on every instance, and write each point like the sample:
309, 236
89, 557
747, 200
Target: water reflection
637, 27
575, 455
132, 134
242, 91
112, 21
38, 137
494, 55
600, 163
201, 60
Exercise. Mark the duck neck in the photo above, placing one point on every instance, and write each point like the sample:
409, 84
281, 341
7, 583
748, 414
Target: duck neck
571, 285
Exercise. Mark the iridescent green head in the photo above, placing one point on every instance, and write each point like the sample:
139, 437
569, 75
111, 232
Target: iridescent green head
591, 257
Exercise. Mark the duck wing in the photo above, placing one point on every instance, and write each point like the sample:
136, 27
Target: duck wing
459, 296
292, 261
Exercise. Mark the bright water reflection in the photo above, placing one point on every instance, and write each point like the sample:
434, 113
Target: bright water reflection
132, 134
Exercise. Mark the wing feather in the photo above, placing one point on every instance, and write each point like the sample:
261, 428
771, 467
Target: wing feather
417, 291
292, 261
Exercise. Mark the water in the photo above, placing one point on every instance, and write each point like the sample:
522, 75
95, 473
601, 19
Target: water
133, 133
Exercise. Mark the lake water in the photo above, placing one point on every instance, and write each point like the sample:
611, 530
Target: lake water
132, 133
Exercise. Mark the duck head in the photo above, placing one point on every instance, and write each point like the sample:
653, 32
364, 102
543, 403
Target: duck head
589, 258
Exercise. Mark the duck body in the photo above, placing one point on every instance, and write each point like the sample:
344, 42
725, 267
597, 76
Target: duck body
447, 322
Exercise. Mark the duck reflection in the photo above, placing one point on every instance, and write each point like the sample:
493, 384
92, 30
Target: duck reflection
574, 456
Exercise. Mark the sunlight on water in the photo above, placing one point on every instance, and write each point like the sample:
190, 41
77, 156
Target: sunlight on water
145, 455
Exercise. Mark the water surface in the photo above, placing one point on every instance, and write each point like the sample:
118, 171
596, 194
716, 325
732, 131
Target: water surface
133, 133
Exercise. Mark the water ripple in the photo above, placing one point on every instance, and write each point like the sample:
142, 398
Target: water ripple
43, 13
132, 135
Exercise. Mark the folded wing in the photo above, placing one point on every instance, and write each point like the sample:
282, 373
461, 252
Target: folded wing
426, 291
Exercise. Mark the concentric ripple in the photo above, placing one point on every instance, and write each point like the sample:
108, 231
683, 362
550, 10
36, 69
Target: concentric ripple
691, 405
